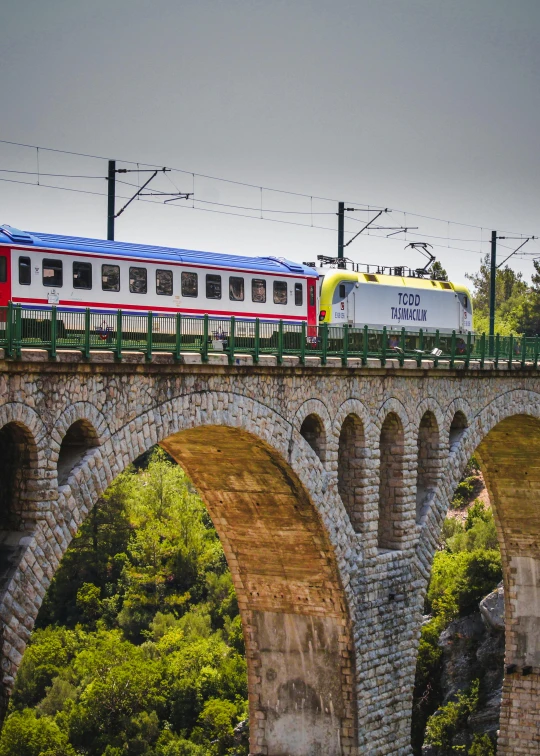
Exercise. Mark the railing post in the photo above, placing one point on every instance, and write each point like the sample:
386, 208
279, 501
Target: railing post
9, 329
232, 334
453, 349
257, 341
536, 352
18, 331
178, 333
204, 345
345, 345
383, 352
303, 344
365, 346
149, 327
86, 346
401, 356
324, 343
280, 343
482, 349
510, 351
497, 349
437, 342
54, 329
420, 348
469, 346
523, 350
119, 334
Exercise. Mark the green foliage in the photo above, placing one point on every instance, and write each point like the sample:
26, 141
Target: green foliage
482, 745
463, 492
478, 532
26, 734
138, 649
448, 719
437, 272
517, 304
460, 580
464, 571
468, 485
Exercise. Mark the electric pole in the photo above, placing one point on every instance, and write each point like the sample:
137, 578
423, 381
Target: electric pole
111, 198
341, 231
492, 286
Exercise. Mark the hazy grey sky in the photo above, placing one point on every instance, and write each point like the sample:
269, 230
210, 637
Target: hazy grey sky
429, 106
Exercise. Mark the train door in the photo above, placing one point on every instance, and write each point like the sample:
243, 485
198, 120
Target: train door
312, 301
465, 312
351, 306
5, 288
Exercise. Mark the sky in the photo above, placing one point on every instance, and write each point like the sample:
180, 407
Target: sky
426, 107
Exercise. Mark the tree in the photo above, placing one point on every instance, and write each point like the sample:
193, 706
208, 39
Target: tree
26, 734
437, 272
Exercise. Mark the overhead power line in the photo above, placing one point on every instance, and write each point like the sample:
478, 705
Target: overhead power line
370, 207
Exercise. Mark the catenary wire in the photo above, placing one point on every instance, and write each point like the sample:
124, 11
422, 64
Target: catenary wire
253, 186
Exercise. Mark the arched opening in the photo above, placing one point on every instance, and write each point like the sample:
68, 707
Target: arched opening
351, 473
428, 462
391, 483
79, 438
312, 429
17, 516
457, 428
471, 628
509, 457
17, 453
295, 620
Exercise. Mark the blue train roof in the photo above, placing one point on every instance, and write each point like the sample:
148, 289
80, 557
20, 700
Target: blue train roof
8, 234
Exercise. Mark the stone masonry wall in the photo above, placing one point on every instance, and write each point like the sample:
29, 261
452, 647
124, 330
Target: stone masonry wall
331, 620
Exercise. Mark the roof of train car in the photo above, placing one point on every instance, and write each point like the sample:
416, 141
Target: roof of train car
10, 235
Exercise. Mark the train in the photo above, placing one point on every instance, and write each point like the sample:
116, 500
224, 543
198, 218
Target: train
38, 270
393, 300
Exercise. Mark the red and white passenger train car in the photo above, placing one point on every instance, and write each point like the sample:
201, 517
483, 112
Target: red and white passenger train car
38, 270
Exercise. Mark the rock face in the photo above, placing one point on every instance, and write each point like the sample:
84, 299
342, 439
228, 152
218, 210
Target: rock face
473, 648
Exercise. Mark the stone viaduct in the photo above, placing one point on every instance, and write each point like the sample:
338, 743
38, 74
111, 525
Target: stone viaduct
328, 486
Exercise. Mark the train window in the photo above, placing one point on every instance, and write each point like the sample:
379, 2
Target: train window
82, 275
213, 286
3, 270
280, 292
312, 295
137, 280
236, 289
258, 290
164, 282
342, 292
52, 273
190, 286
25, 271
298, 295
110, 277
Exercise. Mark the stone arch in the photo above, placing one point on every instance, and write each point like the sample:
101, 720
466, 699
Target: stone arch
78, 440
428, 462
391, 503
352, 482
272, 517
313, 423
505, 436
18, 466
312, 431
458, 426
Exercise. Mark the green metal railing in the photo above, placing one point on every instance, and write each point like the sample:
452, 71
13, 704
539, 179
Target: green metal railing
55, 329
